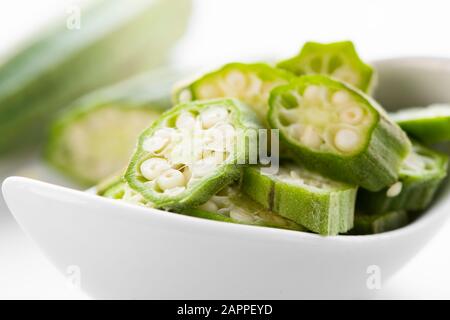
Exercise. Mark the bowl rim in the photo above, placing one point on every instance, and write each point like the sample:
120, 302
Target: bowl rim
133, 211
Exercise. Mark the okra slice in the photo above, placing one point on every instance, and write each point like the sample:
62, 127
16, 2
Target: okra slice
378, 223
428, 124
338, 60
320, 204
118, 189
230, 205
338, 131
250, 83
191, 152
420, 176
96, 135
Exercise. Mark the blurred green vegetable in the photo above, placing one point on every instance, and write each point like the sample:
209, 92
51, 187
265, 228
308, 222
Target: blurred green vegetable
95, 136
117, 38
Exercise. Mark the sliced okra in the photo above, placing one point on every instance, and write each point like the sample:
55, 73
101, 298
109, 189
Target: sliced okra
118, 189
230, 205
428, 124
191, 152
420, 176
338, 131
250, 83
378, 223
97, 134
338, 60
320, 204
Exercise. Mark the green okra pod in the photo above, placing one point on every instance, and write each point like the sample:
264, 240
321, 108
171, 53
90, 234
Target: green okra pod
96, 135
191, 152
421, 174
339, 60
320, 204
427, 124
378, 223
116, 39
338, 131
250, 83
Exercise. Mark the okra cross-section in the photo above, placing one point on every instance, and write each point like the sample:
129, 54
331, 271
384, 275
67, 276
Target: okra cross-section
191, 152
378, 223
118, 189
420, 176
230, 205
250, 83
339, 60
338, 131
428, 124
320, 204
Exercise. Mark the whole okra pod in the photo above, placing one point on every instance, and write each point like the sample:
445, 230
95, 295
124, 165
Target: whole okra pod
191, 152
420, 176
250, 83
320, 204
338, 60
338, 131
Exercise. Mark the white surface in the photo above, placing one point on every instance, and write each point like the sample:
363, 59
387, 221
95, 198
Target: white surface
225, 30
124, 251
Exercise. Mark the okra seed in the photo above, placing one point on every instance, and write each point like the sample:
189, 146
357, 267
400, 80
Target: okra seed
235, 79
295, 130
155, 143
254, 88
174, 191
153, 167
185, 121
311, 137
212, 116
240, 215
209, 206
352, 115
185, 96
312, 93
341, 98
346, 140
394, 190
171, 179
346, 74
208, 91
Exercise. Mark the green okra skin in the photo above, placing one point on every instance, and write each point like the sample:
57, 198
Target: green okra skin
377, 223
338, 60
427, 124
421, 175
117, 188
338, 131
229, 205
320, 204
250, 83
96, 135
192, 151
117, 39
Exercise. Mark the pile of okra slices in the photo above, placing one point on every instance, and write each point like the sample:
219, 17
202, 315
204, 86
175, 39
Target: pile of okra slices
346, 165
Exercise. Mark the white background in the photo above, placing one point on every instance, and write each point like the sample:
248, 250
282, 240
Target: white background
226, 30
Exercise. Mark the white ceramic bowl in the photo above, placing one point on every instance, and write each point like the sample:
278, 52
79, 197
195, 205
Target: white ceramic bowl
125, 251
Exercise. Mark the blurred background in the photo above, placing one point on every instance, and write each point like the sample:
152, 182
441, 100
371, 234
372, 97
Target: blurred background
221, 31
